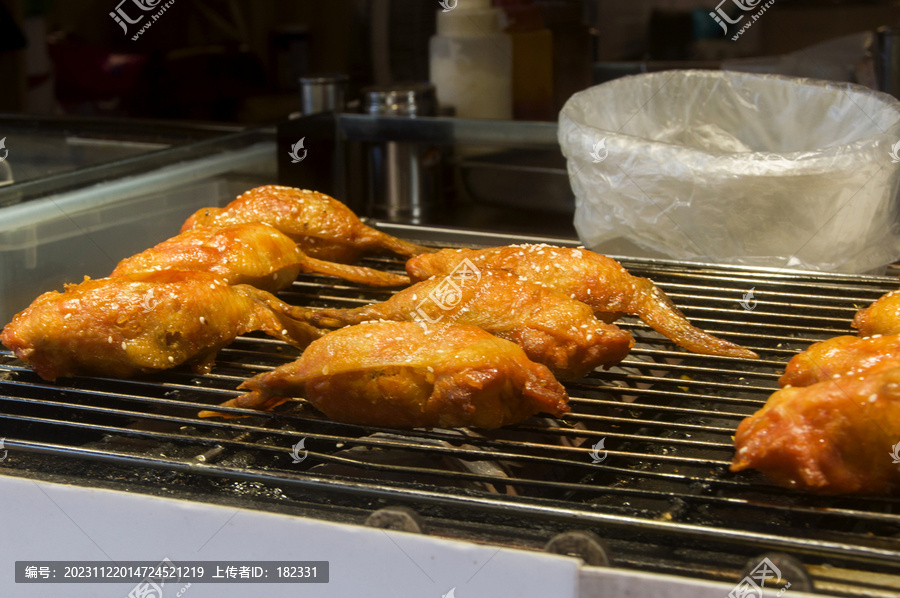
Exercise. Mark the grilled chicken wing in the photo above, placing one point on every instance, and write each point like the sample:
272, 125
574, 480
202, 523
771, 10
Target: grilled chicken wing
841, 355
554, 330
322, 226
597, 280
123, 326
833, 437
882, 317
403, 375
250, 253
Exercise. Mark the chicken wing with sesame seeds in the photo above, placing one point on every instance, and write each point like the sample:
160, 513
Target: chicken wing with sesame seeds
591, 278
250, 253
125, 326
839, 356
554, 330
395, 374
882, 317
833, 437
323, 227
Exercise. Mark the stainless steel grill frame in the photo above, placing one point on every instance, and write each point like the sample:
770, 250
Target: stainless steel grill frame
663, 497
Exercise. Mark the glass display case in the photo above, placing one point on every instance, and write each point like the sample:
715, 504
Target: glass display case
111, 197
36, 148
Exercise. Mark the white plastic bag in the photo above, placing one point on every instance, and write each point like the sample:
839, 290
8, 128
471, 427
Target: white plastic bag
737, 168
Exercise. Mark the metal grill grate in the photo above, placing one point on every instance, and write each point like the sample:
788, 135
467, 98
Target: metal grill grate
662, 495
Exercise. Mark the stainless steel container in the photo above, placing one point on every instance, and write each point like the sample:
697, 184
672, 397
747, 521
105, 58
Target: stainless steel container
401, 175
323, 93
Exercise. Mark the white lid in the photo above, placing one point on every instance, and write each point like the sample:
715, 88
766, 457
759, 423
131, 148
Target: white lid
469, 18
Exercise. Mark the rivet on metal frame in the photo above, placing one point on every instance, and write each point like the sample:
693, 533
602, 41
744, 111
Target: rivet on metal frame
401, 519
585, 545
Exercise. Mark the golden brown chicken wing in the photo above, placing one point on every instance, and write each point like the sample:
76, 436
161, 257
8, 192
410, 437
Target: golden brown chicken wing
595, 279
408, 375
250, 253
554, 330
839, 356
833, 437
882, 317
323, 227
123, 326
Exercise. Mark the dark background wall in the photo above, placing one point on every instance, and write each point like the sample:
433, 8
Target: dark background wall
238, 60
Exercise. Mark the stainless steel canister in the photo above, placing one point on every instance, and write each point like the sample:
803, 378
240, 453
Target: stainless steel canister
323, 93
401, 175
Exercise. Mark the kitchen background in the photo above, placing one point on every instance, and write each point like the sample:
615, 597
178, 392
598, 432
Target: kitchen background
234, 61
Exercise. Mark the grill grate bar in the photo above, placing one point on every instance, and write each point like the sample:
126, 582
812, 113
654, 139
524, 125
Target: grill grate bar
710, 325
781, 279
168, 436
643, 423
649, 379
227, 393
687, 364
129, 414
791, 299
667, 394
744, 338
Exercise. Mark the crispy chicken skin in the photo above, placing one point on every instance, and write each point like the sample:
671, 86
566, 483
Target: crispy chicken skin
882, 317
125, 326
554, 330
833, 437
839, 356
323, 227
249, 253
410, 375
594, 279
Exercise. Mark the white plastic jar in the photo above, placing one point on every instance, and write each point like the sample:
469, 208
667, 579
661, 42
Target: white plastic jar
471, 61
